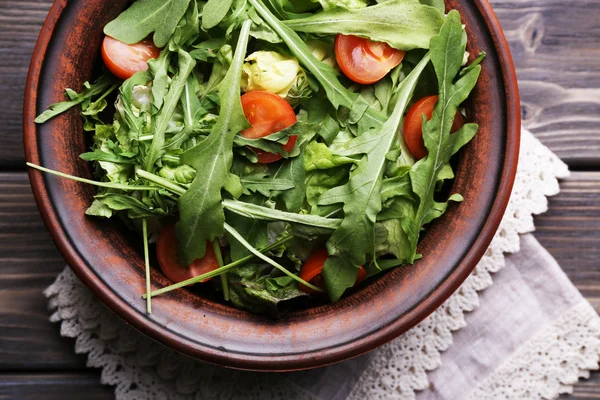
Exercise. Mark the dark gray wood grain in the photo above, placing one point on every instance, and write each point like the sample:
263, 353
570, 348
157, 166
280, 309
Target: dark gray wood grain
30, 262
556, 48
20, 23
57, 386
570, 230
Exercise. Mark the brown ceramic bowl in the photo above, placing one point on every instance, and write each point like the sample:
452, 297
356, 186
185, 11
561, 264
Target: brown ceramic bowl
101, 255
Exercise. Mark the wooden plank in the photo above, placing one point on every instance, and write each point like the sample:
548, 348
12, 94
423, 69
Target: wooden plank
556, 47
586, 389
29, 263
20, 23
569, 230
54, 386
86, 386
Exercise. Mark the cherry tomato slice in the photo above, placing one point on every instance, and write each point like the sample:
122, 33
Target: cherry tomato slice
267, 113
166, 253
363, 60
413, 125
124, 60
264, 157
312, 268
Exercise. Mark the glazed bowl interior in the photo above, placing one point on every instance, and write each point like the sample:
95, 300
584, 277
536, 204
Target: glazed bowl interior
100, 251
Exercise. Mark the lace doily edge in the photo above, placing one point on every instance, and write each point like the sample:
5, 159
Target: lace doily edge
561, 373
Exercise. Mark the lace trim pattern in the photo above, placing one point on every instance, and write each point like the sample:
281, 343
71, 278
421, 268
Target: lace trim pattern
140, 368
550, 363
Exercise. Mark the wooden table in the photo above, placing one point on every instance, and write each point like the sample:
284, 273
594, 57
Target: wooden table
556, 46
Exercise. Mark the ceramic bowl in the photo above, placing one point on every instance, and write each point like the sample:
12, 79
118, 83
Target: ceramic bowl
102, 254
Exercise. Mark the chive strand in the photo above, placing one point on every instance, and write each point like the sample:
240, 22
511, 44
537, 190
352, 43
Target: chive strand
219, 256
110, 185
147, 262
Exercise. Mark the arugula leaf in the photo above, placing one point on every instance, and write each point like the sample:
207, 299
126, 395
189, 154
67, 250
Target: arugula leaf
265, 185
319, 182
254, 230
145, 17
192, 107
214, 12
159, 68
260, 30
99, 155
447, 50
337, 93
171, 99
200, 208
284, 9
292, 171
187, 29
361, 196
403, 24
207, 49
319, 156
439, 4
347, 4
219, 70
134, 207
90, 110
99, 209
104, 84
300, 6
275, 284
396, 186
271, 143
252, 288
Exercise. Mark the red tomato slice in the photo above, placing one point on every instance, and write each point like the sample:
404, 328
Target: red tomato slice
363, 60
124, 60
413, 125
268, 114
166, 252
312, 268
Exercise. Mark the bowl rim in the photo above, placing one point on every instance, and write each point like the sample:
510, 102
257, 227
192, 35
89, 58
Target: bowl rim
329, 355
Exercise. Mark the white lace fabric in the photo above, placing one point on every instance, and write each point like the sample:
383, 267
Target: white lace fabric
566, 345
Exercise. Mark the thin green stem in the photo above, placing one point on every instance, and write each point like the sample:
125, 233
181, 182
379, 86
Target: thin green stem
219, 256
266, 259
249, 210
109, 91
165, 183
145, 138
218, 271
110, 185
147, 262
170, 158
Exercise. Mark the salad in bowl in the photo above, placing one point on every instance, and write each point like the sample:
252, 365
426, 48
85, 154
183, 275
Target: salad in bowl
280, 152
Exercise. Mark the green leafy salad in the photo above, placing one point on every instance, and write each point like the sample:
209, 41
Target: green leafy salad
282, 151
